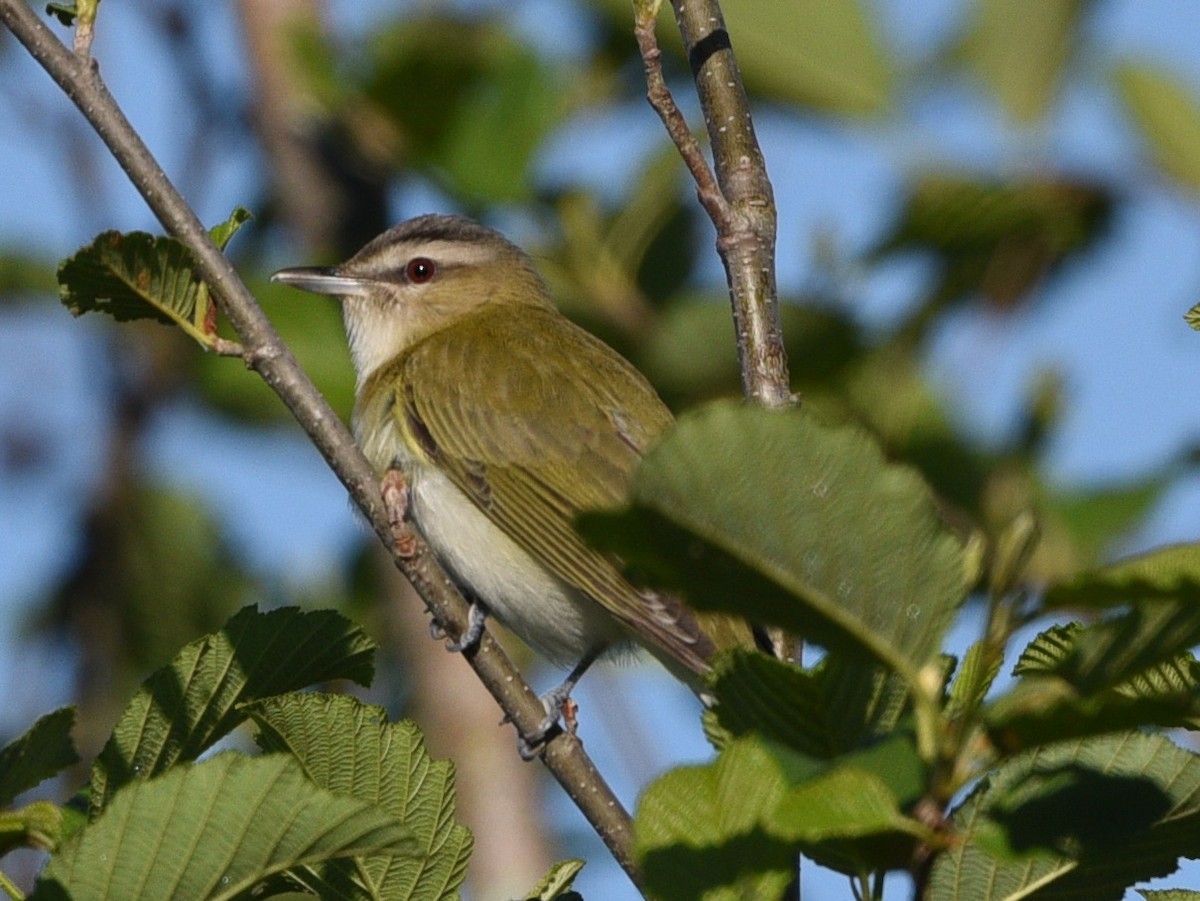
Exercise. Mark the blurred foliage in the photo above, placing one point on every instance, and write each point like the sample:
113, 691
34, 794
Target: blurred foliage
153, 551
998, 240
466, 103
1019, 49
823, 54
1168, 115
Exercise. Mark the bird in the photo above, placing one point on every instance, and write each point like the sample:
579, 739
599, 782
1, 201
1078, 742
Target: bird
507, 421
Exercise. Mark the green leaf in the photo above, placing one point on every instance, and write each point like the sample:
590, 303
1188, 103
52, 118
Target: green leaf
1115, 650
823, 712
187, 705
1020, 48
1085, 680
1192, 316
139, 276
350, 749
782, 519
698, 835
222, 233
1168, 115
1086, 819
980, 666
1045, 654
215, 830
1166, 572
64, 12
1170, 894
998, 239
738, 824
557, 884
845, 803
43, 751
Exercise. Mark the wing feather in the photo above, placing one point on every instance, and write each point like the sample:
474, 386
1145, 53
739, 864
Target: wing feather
540, 422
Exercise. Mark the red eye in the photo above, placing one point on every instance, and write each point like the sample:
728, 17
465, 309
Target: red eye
420, 270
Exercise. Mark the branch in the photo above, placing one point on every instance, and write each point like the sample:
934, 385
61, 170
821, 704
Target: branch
738, 199
564, 756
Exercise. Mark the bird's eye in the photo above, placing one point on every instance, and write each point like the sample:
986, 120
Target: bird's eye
420, 270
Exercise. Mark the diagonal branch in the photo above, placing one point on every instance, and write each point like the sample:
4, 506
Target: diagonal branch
265, 353
738, 199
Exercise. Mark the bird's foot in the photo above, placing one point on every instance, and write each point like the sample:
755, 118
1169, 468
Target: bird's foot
560, 711
476, 620
560, 714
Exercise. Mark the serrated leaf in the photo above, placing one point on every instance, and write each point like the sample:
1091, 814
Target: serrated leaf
1098, 818
1020, 48
215, 830
1168, 572
1170, 894
187, 705
779, 518
1168, 115
1086, 680
223, 232
136, 275
823, 712
351, 749
43, 751
1115, 650
557, 884
1048, 650
777, 700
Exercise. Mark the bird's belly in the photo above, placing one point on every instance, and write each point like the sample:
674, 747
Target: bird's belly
541, 609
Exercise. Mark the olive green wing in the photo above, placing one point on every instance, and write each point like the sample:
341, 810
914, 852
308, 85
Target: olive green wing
538, 422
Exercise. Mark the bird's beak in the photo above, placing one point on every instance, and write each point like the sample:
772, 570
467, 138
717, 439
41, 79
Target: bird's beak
323, 280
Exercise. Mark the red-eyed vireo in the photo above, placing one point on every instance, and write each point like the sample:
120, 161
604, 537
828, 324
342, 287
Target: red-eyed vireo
507, 421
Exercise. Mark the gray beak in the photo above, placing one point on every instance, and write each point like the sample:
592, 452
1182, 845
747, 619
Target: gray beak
323, 280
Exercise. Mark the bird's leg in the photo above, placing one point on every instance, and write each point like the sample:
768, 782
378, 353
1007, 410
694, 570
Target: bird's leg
559, 706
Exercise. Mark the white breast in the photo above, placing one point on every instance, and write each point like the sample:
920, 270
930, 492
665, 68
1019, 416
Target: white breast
544, 612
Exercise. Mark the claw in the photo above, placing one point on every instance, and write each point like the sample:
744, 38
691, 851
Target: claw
560, 710
476, 620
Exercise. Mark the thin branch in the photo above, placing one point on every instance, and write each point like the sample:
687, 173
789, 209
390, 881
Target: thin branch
741, 203
271, 359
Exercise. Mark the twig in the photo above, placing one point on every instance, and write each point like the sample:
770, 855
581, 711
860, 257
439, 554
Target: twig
739, 199
271, 359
